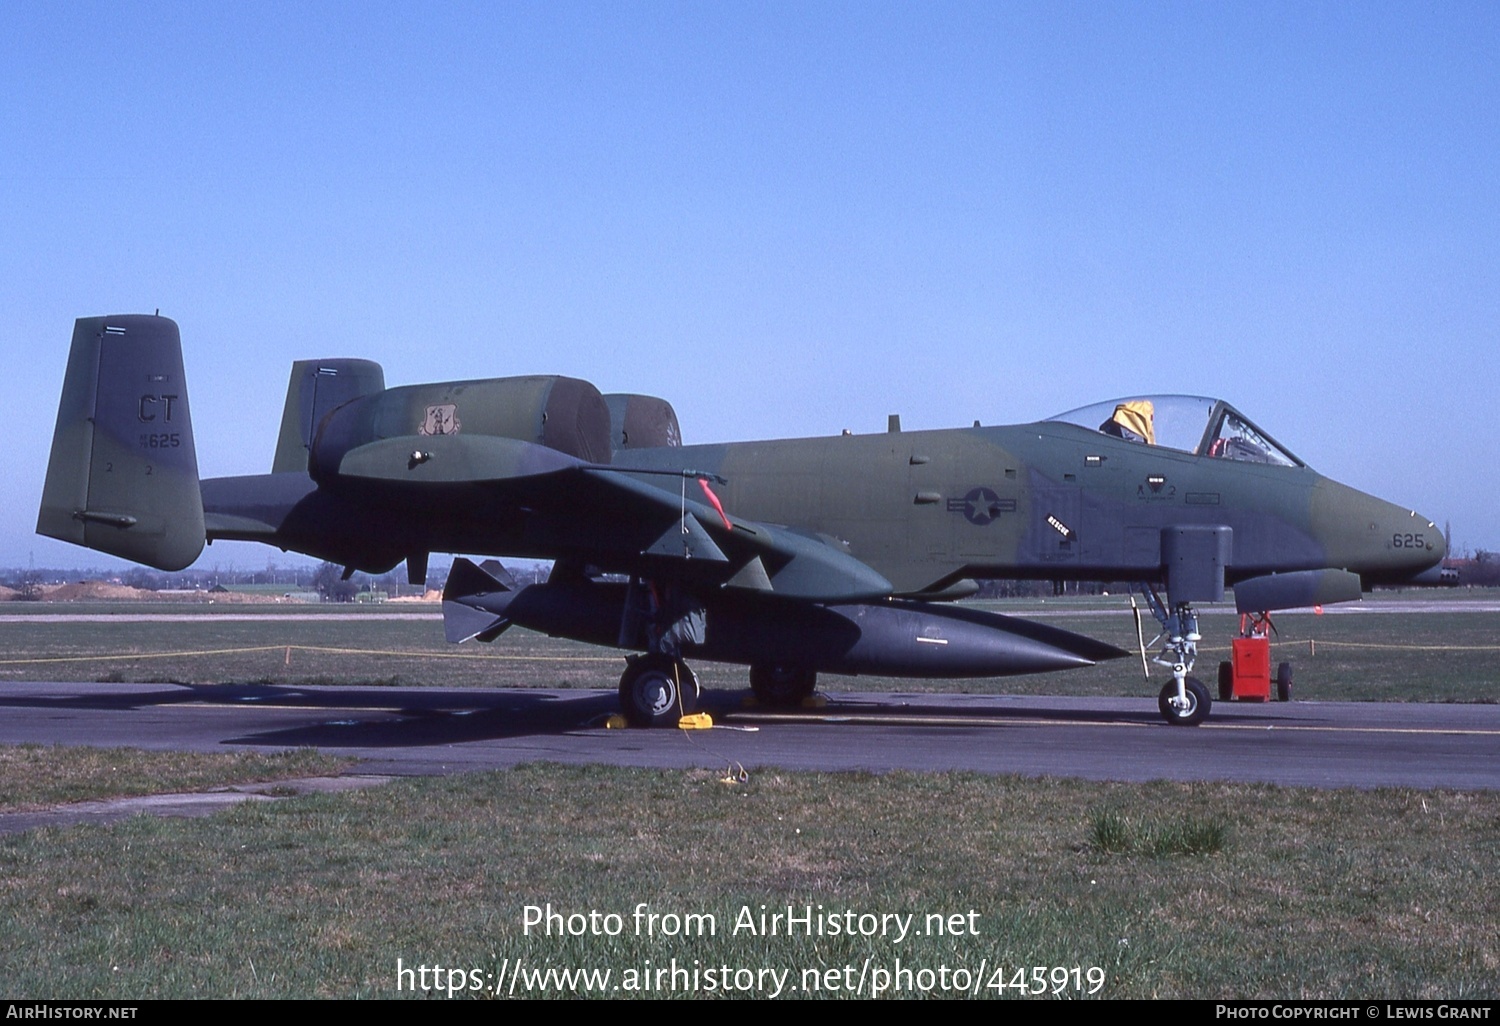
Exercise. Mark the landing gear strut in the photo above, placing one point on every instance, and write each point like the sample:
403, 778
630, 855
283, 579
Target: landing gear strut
1184, 702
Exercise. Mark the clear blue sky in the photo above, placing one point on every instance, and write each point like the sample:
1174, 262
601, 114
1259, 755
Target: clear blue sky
787, 219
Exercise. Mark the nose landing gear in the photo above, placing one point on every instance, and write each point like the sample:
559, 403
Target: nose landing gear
1184, 702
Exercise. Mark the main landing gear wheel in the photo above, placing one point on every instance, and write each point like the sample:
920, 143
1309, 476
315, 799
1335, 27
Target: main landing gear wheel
779, 686
1189, 715
1284, 682
656, 691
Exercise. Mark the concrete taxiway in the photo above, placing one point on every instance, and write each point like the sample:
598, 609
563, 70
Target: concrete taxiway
420, 731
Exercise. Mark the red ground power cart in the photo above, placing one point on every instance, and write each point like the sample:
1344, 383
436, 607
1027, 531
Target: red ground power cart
1246, 675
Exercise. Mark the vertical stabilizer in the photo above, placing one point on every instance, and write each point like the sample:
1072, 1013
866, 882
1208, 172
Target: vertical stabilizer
123, 475
316, 387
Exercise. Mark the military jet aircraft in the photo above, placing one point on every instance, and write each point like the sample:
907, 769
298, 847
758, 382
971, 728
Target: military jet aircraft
792, 557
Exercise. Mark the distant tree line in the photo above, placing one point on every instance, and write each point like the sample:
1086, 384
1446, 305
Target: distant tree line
1482, 571
328, 581
304, 577
1005, 588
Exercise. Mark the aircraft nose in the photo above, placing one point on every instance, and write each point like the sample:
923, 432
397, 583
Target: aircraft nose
1440, 549
1380, 541
1416, 543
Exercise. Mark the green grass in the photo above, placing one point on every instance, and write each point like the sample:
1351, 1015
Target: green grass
344, 651
1304, 894
37, 776
1116, 834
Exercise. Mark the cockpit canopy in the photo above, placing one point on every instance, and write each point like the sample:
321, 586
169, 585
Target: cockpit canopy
1191, 423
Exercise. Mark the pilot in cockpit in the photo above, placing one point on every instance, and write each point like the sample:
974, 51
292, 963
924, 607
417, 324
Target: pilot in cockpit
1134, 421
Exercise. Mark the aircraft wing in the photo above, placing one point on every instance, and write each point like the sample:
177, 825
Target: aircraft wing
617, 519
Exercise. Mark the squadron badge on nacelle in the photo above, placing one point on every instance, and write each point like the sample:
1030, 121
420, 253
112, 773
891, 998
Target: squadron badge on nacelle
440, 420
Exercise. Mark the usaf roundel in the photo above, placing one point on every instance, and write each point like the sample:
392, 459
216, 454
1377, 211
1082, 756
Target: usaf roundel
980, 506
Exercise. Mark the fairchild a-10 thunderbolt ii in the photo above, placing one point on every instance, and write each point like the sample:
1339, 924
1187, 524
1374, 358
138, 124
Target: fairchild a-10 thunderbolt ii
792, 557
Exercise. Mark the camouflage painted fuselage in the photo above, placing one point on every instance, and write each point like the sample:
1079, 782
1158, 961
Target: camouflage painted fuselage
923, 510
1051, 501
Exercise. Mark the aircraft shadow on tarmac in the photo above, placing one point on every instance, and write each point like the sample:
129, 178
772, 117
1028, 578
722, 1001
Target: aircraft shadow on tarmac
511, 714
353, 717
382, 718
906, 709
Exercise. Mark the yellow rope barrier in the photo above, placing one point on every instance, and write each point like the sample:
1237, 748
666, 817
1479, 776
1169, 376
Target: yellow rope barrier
1284, 646
311, 648
1403, 648
508, 657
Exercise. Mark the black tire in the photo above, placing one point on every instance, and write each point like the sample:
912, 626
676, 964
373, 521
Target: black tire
1199, 704
657, 692
692, 691
779, 686
1226, 681
1284, 682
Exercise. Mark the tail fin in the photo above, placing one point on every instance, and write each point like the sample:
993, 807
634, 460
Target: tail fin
123, 476
318, 386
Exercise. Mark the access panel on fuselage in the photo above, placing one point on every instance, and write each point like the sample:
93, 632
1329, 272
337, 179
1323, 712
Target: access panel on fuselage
850, 488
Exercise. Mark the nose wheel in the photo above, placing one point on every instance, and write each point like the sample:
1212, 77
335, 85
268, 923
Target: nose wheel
1186, 706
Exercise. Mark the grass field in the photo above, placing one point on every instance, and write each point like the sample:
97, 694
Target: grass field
1449, 657
1204, 890
37, 777
1167, 890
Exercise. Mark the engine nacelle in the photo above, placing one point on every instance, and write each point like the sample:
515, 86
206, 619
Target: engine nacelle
565, 414
642, 422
